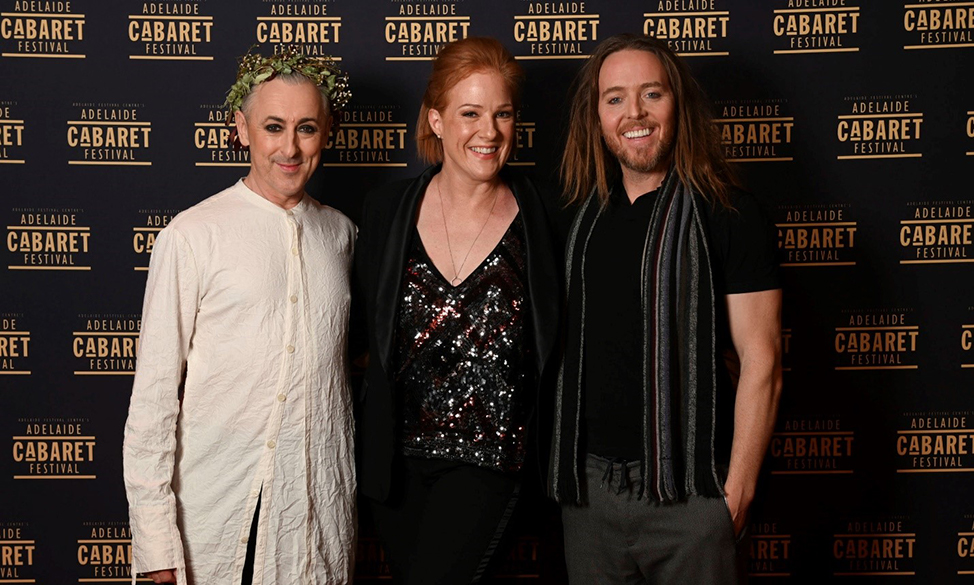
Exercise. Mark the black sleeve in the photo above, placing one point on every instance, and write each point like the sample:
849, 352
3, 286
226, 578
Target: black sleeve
743, 242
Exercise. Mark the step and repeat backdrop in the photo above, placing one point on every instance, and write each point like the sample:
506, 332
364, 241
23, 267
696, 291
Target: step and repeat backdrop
853, 120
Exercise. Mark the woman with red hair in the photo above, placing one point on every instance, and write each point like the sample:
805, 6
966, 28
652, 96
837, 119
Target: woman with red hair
459, 277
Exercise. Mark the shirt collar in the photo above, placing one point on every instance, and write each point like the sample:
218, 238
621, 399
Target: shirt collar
256, 199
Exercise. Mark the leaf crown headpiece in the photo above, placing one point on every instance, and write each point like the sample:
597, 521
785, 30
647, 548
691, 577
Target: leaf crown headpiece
256, 69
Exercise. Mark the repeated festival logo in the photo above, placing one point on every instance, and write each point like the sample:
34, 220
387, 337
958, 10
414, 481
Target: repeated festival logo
938, 25
874, 547
18, 552
771, 549
877, 339
109, 134
692, 28
43, 29
171, 31
105, 345
56, 239
935, 442
11, 133
368, 136
812, 446
825, 26
937, 232
147, 227
314, 28
15, 345
756, 130
816, 235
884, 126
104, 552
417, 30
53, 449
555, 31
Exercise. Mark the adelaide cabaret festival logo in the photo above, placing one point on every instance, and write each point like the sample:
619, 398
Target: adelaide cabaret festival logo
885, 126
555, 30
48, 239
146, 229
880, 339
109, 134
212, 142
938, 25
104, 552
315, 28
416, 31
756, 130
368, 136
818, 26
18, 552
53, 449
935, 442
814, 235
105, 345
874, 547
170, 31
11, 134
937, 232
692, 28
813, 446
42, 29
15, 345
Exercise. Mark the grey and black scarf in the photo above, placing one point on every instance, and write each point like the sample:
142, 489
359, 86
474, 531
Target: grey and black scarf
679, 353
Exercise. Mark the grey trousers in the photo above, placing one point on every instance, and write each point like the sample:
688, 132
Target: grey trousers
619, 539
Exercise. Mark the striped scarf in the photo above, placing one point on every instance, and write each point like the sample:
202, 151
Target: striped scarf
679, 354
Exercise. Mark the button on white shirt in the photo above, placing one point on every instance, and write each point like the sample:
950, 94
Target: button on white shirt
251, 302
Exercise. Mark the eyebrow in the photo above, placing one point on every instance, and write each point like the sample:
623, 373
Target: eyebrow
283, 121
504, 105
641, 87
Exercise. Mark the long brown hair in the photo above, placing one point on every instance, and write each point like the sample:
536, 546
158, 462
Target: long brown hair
454, 63
697, 155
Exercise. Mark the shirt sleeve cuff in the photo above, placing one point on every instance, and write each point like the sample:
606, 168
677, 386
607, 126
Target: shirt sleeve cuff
156, 544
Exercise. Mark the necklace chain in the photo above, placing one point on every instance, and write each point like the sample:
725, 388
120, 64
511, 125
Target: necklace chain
455, 281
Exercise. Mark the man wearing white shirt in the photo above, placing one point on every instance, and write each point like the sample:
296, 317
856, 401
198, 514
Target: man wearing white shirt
238, 458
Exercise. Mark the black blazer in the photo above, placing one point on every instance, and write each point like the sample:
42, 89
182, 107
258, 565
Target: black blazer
388, 220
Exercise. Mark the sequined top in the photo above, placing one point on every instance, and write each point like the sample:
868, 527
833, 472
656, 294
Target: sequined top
463, 358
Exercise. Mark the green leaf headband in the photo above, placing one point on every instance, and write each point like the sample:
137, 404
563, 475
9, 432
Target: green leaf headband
256, 69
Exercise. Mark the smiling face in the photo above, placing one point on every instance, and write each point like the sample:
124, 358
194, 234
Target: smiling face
476, 126
285, 126
637, 113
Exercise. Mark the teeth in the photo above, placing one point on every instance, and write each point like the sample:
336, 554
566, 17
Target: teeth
482, 150
638, 133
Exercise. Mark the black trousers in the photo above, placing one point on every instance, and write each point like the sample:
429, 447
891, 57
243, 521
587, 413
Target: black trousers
247, 578
446, 522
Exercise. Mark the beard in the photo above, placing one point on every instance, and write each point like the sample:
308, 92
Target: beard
640, 161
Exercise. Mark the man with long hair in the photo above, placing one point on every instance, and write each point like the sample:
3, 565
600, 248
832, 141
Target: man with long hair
672, 286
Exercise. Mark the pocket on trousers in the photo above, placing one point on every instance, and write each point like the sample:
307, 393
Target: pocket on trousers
728, 518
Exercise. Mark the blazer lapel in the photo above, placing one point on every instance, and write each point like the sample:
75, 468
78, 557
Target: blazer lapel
393, 260
542, 264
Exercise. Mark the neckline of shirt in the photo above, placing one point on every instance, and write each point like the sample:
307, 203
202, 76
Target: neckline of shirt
255, 198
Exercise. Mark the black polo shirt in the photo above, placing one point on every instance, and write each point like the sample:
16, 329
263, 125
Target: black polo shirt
742, 254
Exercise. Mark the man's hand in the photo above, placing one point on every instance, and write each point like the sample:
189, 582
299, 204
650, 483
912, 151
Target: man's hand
737, 508
163, 576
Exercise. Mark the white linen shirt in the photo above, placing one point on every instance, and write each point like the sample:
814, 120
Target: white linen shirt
250, 303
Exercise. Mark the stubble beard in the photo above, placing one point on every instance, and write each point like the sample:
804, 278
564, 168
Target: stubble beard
630, 163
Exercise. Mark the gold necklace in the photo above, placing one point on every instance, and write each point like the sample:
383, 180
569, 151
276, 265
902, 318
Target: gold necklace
455, 281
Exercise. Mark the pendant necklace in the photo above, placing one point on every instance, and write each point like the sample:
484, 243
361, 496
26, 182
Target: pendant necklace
455, 281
